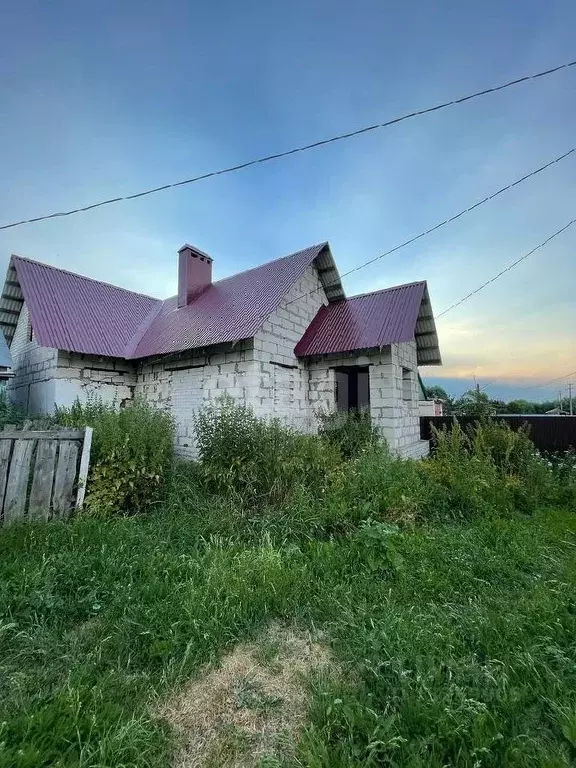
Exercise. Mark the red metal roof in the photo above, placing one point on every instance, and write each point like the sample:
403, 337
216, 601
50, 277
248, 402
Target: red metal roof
230, 310
363, 322
78, 314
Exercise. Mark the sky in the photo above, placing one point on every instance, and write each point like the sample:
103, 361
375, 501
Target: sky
104, 99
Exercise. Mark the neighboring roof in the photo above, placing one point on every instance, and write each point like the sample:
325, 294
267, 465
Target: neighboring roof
5, 359
390, 316
82, 315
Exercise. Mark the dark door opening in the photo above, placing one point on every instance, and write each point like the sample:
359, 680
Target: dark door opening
352, 388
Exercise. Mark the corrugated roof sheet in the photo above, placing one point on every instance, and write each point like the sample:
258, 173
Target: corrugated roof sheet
363, 322
78, 314
229, 310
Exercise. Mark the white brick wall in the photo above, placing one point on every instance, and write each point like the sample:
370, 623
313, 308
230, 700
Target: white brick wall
282, 381
397, 418
83, 376
32, 386
185, 383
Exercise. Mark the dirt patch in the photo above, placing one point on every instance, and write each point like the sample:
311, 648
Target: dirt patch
251, 706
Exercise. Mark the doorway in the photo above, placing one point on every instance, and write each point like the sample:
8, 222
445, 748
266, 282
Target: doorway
352, 388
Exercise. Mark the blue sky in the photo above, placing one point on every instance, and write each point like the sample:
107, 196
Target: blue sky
104, 99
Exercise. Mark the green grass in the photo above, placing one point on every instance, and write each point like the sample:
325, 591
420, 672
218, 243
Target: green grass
460, 639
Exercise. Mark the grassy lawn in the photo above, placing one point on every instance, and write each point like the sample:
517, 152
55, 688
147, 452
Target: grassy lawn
457, 642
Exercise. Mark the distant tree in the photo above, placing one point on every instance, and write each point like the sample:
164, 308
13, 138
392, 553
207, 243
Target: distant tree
520, 406
549, 405
474, 403
500, 406
439, 393
436, 392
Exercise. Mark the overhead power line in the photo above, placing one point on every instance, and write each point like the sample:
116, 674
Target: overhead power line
552, 381
506, 269
493, 381
296, 150
442, 223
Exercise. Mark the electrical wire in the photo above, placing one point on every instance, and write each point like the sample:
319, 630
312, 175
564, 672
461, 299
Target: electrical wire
439, 224
295, 150
506, 269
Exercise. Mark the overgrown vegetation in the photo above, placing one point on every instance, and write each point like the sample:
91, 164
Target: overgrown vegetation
443, 589
351, 431
131, 453
255, 461
10, 413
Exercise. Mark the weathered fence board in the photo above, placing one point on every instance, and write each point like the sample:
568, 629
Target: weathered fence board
84, 466
5, 451
43, 473
61, 434
15, 499
62, 498
41, 493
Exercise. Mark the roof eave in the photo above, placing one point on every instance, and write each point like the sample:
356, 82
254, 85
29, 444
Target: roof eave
329, 275
425, 333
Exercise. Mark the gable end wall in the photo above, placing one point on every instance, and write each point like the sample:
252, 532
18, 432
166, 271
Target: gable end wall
32, 386
282, 381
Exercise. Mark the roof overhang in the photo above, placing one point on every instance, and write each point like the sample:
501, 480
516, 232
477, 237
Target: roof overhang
11, 301
329, 275
425, 334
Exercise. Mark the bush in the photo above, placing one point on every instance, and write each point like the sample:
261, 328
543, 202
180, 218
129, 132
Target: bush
256, 460
132, 451
351, 431
489, 468
462, 482
10, 413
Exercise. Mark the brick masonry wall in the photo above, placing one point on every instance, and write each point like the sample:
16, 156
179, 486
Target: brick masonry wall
408, 416
283, 384
397, 418
183, 384
32, 386
82, 376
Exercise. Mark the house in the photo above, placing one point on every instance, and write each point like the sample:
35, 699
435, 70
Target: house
281, 337
428, 406
5, 363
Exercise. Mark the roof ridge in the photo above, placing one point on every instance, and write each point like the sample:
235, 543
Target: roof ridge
274, 261
383, 290
84, 277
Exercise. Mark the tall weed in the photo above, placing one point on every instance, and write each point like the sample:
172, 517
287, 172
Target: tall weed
132, 451
10, 413
258, 461
350, 431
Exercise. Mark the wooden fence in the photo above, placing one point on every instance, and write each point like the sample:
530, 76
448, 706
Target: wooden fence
43, 474
548, 433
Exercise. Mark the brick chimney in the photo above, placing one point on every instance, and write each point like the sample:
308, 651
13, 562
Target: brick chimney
194, 273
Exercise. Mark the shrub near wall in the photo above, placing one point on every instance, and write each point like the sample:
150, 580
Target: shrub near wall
258, 461
132, 451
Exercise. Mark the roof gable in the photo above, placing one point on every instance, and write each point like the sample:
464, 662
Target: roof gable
394, 315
